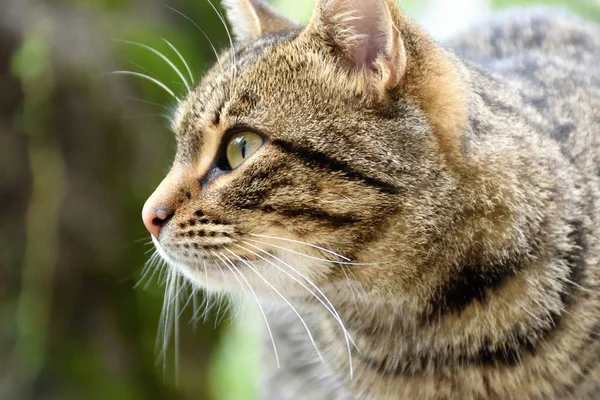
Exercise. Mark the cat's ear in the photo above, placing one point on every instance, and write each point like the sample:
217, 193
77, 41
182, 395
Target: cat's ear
365, 33
249, 19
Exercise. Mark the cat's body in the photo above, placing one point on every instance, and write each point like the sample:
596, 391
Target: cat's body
537, 83
466, 194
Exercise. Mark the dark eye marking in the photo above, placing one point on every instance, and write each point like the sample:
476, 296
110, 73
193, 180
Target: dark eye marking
318, 159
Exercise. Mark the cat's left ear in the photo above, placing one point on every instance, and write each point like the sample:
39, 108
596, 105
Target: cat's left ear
363, 33
250, 19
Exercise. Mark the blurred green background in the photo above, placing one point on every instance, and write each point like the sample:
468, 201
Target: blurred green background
80, 150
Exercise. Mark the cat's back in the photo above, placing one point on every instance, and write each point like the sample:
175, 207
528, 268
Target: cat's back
541, 66
518, 33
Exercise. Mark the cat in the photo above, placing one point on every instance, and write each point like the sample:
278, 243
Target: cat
418, 221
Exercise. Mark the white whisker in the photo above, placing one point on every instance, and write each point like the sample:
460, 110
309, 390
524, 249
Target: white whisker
149, 78
194, 309
350, 286
208, 305
198, 27
228, 35
308, 256
304, 243
187, 67
257, 302
166, 319
132, 98
162, 56
283, 298
329, 307
160, 267
150, 264
176, 323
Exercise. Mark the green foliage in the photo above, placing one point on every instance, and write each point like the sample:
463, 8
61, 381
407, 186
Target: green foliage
88, 148
235, 374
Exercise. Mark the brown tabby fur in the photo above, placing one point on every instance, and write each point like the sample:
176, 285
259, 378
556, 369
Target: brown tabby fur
465, 193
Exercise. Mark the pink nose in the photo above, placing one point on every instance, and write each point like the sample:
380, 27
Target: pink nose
155, 218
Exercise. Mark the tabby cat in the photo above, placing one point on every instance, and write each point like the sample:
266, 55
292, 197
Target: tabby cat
417, 222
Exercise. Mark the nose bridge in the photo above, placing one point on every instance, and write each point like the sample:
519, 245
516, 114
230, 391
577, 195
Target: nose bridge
163, 203
170, 193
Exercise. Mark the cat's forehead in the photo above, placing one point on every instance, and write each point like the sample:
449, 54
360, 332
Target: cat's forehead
240, 79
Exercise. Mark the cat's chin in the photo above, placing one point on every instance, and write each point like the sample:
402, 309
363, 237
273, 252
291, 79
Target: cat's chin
202, 272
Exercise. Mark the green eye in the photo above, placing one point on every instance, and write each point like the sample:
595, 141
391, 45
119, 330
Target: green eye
241, 146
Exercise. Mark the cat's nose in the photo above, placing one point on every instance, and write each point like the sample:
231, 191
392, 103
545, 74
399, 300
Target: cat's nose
155, 218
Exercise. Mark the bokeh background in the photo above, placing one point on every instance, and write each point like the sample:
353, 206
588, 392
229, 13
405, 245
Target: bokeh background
80, 150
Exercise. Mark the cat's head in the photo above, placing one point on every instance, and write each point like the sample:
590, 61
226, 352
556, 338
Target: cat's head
306, 150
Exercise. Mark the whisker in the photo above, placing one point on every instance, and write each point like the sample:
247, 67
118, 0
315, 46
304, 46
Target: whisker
165, 324
198, 27
144, 239
176, 323
304, 243
329, 308
257, 302
187, 67
130, 117
194, 309
308, 256
283, 298
151, 103
138, 66
189, 300
160, 267
149, 78
162, 56
350, 286
147, 267
206, 310
229, 36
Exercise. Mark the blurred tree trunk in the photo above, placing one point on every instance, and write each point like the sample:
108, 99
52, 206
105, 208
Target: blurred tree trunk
73, 176
64, 155
15, 188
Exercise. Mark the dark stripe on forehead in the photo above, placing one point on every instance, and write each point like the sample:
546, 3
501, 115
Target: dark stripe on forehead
319, 159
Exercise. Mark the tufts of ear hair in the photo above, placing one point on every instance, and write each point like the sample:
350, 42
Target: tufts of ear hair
375, 38
250, 19
379, 46
363, 34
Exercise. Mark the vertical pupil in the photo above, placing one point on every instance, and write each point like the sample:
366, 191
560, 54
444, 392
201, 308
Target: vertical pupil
243, 148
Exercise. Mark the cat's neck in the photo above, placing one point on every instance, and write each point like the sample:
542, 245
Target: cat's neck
498, 256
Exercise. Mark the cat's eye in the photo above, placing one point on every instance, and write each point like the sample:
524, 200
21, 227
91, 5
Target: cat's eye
241, 146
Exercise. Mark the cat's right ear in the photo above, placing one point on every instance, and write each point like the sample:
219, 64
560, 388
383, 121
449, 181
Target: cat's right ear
363, 33
250, 19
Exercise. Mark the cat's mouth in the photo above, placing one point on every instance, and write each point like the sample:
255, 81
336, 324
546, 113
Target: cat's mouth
247, 265
215, 265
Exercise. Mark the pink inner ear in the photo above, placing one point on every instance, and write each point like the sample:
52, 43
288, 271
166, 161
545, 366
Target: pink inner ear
366, 52
362, 26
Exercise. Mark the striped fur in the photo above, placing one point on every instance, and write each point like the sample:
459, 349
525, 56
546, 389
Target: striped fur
465, 192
